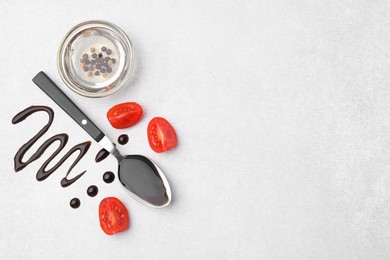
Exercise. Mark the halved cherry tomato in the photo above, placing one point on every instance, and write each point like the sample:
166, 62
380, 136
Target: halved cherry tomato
161, 135
124, 115
113, 216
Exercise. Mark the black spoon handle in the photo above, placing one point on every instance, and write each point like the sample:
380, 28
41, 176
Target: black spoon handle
55, 93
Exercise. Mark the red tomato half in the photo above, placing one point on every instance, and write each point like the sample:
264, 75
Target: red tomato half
161, 135
124, 115
113, 216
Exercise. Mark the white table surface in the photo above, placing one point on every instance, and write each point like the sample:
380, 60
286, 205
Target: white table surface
282, 110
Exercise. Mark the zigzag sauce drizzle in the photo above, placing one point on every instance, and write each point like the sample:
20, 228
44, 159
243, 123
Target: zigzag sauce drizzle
43, 173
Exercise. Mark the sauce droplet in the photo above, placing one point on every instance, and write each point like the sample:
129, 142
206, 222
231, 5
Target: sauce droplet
92, 191
75, 203
123, 139
108, 177
101, 155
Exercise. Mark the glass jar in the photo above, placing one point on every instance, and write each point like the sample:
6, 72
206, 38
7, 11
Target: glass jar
95, 59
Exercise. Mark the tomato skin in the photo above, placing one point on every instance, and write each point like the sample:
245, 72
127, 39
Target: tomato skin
124, 115
113, 216
161, 135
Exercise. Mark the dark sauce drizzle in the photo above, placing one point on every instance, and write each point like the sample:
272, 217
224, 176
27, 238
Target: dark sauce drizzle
101, 155
108, 177
123, 139
75, 203
43, 173
92, 191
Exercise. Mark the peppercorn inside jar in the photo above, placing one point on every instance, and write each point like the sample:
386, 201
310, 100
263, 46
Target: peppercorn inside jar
98, 63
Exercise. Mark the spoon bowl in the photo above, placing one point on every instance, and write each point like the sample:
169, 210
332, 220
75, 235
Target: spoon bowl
144, 180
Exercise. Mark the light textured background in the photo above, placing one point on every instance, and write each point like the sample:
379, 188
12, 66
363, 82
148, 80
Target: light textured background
283, 118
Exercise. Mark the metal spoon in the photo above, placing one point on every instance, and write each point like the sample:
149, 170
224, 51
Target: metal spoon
139, 175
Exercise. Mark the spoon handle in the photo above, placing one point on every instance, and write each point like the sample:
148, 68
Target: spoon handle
55, 93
